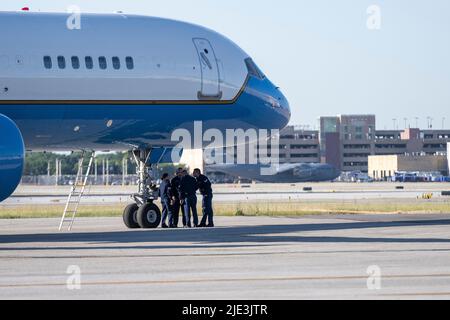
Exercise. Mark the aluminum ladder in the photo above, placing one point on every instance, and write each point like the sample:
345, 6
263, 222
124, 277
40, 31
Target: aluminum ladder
76, 192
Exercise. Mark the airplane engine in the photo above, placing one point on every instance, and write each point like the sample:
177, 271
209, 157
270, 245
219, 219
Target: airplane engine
12, 157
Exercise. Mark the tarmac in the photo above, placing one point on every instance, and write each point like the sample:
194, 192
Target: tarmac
51, 195
313, 257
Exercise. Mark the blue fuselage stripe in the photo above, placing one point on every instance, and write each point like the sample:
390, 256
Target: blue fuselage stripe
111, 126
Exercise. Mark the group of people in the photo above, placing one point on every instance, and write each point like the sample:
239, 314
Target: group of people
180, 193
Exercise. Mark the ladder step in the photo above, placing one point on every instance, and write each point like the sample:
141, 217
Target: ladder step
75, 194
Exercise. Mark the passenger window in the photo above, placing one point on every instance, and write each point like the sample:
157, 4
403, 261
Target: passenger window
102, 63
75, 63
253, 69
116, 63
61, 62
47, 62
89, 62
130, 63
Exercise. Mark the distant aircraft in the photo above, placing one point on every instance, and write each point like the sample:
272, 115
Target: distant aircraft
121, 83
286, 173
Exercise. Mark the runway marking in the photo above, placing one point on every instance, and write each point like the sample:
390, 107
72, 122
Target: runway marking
418, 294
200, 255
187, 281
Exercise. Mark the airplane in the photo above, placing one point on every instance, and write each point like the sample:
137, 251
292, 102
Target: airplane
121, 83
285, 173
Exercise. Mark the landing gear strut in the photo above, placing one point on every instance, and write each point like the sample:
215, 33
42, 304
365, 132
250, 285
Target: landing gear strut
143, 213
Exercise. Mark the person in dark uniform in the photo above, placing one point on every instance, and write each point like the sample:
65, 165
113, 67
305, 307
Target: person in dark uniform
188, 196
175, 196
204, 185
164, 194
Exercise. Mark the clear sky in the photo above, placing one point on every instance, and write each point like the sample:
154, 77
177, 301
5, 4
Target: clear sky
321, 53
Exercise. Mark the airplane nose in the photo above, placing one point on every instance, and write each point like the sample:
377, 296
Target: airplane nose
272, 107
336, 172
332, 172
284, 106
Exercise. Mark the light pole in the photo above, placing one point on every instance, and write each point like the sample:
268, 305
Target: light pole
95, 171
124, 170
395, 122
417, 122
103, 171
443, 123
56, 171
107, 171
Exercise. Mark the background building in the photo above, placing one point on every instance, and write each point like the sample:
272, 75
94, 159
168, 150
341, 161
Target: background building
359, 139
347, 142
298, 145
385, 167
448, 157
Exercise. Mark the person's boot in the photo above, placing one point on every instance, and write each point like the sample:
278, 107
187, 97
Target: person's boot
165, 226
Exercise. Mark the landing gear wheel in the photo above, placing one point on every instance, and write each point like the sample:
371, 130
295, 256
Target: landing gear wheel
130, 216
149, 216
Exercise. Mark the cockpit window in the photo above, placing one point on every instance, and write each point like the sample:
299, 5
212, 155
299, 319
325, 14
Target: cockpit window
253, 69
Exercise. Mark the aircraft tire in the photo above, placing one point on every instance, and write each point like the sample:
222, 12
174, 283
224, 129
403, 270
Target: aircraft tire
148, 216
130, 216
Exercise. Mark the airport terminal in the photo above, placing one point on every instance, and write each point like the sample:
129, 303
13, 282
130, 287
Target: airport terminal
352, 143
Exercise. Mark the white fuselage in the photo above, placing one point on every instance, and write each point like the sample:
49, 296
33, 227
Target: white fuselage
168, 59
125, 81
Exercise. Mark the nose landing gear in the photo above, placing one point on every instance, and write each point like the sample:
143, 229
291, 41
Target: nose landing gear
143, 213
148, 216
130, 216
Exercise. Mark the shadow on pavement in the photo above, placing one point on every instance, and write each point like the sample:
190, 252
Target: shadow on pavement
222, 237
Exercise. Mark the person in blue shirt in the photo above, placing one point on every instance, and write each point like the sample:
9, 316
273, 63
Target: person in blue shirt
165, 196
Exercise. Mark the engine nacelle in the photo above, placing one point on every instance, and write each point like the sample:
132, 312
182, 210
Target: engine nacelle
12, 157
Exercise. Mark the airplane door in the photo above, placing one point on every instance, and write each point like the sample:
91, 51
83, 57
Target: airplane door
210, 88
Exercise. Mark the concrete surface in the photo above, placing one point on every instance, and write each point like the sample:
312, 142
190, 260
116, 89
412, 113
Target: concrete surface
48, 195
246, 258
